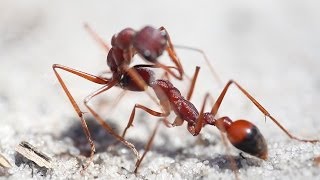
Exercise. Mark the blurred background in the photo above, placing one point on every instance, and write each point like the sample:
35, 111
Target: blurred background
270, 48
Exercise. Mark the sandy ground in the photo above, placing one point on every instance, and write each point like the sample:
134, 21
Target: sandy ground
270, 48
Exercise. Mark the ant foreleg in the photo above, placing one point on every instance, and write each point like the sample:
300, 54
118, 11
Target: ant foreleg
260, 107
103, 123
91, 78
87, 76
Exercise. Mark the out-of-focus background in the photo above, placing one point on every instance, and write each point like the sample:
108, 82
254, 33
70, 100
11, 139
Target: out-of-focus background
270, 48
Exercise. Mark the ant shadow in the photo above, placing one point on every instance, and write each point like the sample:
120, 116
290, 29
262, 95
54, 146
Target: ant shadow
221, 162
102, 139
104, 142
231, 162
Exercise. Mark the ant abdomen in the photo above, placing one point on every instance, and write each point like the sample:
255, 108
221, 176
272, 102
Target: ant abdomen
150, 43
245, 136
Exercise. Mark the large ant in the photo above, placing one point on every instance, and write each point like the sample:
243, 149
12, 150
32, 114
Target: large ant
241, 133
149, 43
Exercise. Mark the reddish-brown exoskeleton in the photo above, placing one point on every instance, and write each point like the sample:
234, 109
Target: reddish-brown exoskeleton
149, 43
241, 133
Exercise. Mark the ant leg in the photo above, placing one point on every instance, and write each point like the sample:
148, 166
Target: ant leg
193, 83
91, 78
87, 76
103, 123
150, 111
260, 107
96, 37
195, 129
215, 74
147, 147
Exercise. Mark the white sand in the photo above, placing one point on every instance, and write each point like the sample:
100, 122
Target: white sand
271, 49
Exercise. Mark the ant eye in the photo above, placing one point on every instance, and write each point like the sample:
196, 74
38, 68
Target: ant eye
163, 33
146, 53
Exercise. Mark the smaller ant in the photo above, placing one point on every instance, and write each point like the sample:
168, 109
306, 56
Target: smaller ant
148, 42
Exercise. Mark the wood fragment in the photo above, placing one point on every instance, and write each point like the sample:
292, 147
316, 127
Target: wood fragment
33, 154
4, 162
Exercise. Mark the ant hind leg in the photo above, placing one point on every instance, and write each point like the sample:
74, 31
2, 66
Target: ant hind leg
216, 106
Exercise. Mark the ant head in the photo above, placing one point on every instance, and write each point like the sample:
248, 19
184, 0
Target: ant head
123, 39
247, 137
150, 43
